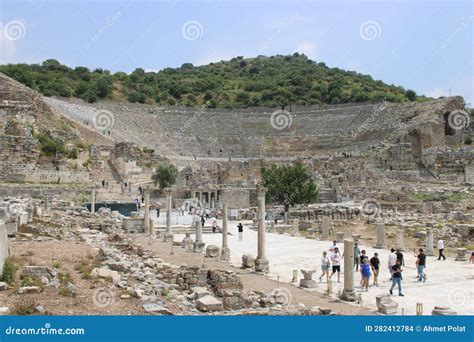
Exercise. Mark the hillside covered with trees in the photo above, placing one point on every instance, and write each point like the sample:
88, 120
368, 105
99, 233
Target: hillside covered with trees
240, 82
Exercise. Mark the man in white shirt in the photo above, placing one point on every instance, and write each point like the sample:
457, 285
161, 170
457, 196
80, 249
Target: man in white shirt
440, 249
392, 260
333, 246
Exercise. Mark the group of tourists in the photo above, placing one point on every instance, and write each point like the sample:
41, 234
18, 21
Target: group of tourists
370, 267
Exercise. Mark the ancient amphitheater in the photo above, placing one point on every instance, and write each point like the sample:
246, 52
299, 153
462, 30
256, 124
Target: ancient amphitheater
387, 175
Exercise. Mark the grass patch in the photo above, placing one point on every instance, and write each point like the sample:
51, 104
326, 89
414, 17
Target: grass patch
440, 197
31, 281
85, 267
64, 280
9, 271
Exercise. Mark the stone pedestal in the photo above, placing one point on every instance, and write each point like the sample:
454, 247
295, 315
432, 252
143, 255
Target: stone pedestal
198, 246
400, 240
355, 238
225, 251
348, 293
187, 242
429, 242
308, 281
339, 237
37, 212
296, 231
248, 261
212, 251
261, 264
461, 254
443, 311
168, 237
386, 305
325, 228
380, 235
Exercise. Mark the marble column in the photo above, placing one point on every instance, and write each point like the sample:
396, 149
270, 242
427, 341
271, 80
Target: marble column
261, 263
380, 235
225, 251
168, 236
46, 202
296, 231
348, 293
429, 242
325, 228
146, 216
93, 201
400, 239
198, 246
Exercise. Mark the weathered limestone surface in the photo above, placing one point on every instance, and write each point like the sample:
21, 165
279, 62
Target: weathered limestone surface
3, 245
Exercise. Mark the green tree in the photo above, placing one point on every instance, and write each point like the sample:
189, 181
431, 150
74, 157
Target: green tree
289, 185
410, 94
165, 174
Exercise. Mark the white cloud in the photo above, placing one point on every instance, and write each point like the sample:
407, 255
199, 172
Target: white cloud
309, 49
435, 93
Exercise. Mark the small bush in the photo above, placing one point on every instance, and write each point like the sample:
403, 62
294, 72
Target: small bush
31, 281
64, 280
9, 271
468, 141
23, 306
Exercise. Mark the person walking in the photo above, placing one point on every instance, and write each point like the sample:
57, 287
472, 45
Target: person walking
336, 264
202, 221
356, 256
365, 274
208, 214
324, 266
400, 257
214, 225
333, 246
421, 265
441, 249
240, 229
375, 264
392, 260
397, 278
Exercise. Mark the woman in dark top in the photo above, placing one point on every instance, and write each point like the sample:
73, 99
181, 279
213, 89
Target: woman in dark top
375, 263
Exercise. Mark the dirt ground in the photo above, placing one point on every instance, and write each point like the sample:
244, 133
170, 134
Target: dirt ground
93, 297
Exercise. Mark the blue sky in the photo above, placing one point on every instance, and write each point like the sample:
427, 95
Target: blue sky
422, 45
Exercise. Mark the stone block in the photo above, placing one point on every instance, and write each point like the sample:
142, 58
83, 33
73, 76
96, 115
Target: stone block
156, 309
212, 251
248, 261
386, 305
443, 311
209, 303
